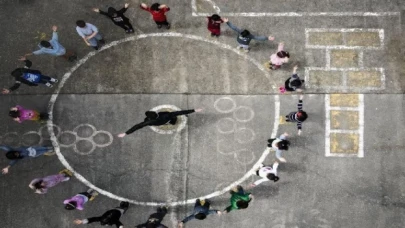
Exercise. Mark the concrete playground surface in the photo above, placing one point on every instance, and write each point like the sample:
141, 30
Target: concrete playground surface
345, 170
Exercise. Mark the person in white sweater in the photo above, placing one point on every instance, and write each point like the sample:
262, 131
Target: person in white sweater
267, 173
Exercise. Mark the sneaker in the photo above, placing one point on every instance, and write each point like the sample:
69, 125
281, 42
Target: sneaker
168, 26
159, 26
95, 47
54, 80
67, 173
50, 153
124, 205
93, 195
102, 41
49, 85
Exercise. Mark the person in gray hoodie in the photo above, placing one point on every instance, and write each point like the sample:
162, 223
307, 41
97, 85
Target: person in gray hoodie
244, 36
53, 47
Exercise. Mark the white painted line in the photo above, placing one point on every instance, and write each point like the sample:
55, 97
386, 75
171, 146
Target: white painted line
81, 178
194, 8
216, 8
344, 81
339, 108
343, 69
303, 14
343, 47
341, 131
327, 58
327, 125
361, 126
382, 78
360, 59
344, 30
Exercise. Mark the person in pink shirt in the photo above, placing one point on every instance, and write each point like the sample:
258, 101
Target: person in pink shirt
78, 201
41, 185
20, 114
279, 58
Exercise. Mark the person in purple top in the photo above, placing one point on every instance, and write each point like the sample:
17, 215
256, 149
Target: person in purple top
20, 114
78, 201
24, 152
41, 185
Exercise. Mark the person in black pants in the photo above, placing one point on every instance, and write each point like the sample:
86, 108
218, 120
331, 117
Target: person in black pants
118, 17
29, 77
155, 219
109, 218
158, 119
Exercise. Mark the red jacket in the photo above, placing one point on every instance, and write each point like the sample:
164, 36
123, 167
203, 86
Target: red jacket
158, 16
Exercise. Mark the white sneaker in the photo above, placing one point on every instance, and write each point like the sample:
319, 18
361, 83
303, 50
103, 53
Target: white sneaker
49, 85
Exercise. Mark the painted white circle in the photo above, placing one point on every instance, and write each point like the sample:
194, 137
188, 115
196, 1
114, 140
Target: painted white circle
85, 130
244, 135
84, 141
96, 137
27, 142
69, 142
225, 105
180, 124
226, 125
67, 75
11, 138
244, 114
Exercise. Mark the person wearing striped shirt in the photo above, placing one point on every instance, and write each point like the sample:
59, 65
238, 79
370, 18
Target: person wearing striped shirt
299, 116
267, 173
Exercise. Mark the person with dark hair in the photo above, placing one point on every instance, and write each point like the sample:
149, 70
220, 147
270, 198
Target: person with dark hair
78, 201
267, 173
201, 210
158, 14
155, 219
279, 58
20, 114
53, 47
90, 34
214, 25
41, 185
244, 36
158, 119
299, 116
279, 144
24, 152
239, 199
294, 83
109, 218
29, 77
118, 17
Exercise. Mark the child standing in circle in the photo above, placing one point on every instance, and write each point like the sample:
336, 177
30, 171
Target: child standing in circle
239, 199
78, 201
244, 36
20, 114
279, 58
214, 25
41, 185
267, 173
29, 77
158, 14
279, 144
118, 17
90, 34
299, 116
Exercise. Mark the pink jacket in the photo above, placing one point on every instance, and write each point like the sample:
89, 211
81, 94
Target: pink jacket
79, 199
274, 59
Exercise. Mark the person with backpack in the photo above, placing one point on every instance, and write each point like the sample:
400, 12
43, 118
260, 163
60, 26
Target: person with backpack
29, 77
78, 201
201, 210
24, 152
294, 83
158, 14
155, 219
267, 173
20, 114
158, 119
118, 17
244, 36
299, 116
214, 25
54, 48
279, 145
239, 199
109, 218
279, 58
41, 185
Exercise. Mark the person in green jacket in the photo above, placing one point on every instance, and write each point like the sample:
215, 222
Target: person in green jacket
239, 199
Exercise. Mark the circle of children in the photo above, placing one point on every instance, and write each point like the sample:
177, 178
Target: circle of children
91, 36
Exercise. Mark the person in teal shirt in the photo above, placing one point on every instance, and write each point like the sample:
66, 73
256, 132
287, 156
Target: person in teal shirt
239, 199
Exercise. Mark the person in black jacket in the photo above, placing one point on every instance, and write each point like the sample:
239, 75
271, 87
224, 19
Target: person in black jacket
29, 77
118, 17
155, 219
294, 83
109, 218
158, 119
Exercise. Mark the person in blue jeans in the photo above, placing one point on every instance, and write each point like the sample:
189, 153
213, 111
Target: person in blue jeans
29, 77
244, 36
90, 34
16, 154
201, 210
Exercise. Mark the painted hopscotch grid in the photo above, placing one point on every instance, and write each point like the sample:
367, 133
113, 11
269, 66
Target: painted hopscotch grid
359, 131
343, 71
216, 9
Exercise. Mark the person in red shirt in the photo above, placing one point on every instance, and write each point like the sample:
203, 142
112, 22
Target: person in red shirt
214, 25
158, 13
